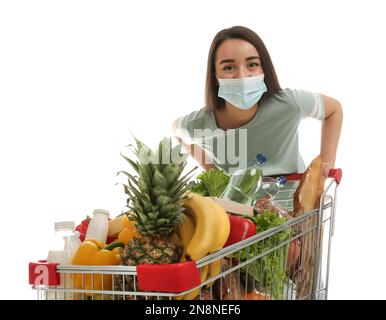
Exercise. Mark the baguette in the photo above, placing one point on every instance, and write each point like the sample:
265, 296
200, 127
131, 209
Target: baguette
311, 186
307, 198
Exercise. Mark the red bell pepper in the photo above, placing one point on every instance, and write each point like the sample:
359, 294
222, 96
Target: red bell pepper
241, 228
82, 229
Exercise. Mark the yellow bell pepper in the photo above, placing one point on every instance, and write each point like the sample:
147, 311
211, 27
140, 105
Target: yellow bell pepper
94, 253
128, 232
117, 254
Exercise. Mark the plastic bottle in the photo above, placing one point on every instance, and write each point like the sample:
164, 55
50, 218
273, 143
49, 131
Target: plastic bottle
65, 243
71, 245
58, 252
98, 227
245, 182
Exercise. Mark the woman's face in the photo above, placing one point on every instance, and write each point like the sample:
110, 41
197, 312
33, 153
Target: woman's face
237, 58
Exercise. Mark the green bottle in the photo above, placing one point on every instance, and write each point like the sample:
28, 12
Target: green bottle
244, 183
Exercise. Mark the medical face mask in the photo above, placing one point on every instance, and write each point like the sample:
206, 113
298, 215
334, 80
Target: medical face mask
242, 92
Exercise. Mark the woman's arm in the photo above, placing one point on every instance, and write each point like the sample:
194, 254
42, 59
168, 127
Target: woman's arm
331, 128
196, 152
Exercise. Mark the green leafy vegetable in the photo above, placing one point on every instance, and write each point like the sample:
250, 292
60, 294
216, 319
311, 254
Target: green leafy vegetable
199, 188
210, 183
269, 270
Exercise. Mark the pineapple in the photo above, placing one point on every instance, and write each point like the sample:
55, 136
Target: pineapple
155, 197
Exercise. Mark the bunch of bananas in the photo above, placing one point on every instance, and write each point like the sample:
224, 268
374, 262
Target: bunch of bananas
204, 230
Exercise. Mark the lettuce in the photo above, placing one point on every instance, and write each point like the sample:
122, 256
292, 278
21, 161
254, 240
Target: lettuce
269, 270
210, 183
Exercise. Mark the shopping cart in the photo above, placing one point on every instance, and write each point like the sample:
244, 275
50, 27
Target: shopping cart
287, 262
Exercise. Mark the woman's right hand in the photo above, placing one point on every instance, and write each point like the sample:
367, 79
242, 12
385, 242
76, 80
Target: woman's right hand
195, 151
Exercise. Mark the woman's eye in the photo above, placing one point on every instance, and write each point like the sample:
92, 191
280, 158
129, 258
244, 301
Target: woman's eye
227, 68
253, 64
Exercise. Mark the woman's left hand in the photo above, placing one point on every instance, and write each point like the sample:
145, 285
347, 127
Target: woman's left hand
326, 168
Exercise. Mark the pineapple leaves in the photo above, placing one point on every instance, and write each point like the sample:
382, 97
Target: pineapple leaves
156, 193
186, 175
153, 215
180, 186
163, 200
161, 222
130, 177
171, 173
142, 200
165, 211
131, 162
145, 173
159, 180
128, 191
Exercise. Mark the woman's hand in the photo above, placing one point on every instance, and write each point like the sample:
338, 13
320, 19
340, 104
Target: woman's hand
196, 152
326, 168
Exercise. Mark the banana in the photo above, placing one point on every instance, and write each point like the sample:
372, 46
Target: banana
223, 226
186, 231
203, 275
221, 236
204, 230
214, 270
206, 226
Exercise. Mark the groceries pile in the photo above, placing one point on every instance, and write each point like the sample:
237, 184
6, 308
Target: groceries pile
169, 218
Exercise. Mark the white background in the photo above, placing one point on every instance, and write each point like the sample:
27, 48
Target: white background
76, 75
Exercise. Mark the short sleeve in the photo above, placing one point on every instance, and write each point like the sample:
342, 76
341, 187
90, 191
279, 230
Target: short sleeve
183, 130
311, 104
192, 126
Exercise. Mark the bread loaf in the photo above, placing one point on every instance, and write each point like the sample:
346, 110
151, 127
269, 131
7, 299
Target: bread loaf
306, 199
311, 186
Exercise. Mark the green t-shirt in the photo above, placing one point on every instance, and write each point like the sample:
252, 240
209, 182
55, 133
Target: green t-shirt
273, 132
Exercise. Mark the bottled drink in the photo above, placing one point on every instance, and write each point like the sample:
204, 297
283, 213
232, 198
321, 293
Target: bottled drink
65, 243
58, 252
98, 227
244, 183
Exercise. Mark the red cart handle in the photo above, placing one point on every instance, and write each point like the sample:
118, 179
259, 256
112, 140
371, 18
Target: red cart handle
175, 277
43, 273
336, 174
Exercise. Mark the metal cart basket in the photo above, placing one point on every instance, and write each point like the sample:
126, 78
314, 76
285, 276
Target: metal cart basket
287, 262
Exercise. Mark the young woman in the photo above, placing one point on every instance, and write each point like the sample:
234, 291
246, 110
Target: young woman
247, 112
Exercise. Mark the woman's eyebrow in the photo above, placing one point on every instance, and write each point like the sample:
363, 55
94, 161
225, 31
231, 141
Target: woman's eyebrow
227, 60
252, 58
233, 60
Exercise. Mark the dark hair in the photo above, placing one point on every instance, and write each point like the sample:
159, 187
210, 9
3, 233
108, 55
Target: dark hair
212, 100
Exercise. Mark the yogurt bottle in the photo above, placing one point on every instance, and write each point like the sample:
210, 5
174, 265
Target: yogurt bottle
98, 227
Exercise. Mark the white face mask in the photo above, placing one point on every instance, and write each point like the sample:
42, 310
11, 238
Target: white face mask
242, 92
